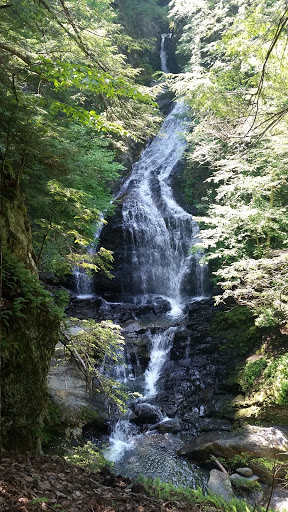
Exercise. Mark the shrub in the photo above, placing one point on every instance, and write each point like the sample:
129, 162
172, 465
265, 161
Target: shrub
251, 372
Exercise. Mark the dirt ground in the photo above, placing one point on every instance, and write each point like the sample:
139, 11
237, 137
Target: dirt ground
35, 483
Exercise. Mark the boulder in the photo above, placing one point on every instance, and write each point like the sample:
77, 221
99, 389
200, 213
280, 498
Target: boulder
244, 472
243, 482
145, 413
170, 425
219, 483
254, 441
157, 305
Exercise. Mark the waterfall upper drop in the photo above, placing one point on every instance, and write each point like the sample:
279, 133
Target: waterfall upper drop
158, 231
154, 231
163, 53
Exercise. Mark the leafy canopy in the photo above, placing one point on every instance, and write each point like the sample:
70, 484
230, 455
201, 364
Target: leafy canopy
235, 64
69, 106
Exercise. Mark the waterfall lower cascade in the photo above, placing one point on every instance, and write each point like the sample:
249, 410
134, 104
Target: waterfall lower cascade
158, 235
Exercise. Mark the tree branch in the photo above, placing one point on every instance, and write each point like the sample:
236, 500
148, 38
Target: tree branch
23, 56
280, 27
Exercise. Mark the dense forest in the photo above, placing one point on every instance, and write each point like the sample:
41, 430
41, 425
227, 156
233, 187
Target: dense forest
81, 94
234, 59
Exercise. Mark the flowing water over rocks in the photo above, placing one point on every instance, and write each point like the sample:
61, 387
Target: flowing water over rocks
151, 234
158, 287
178, 370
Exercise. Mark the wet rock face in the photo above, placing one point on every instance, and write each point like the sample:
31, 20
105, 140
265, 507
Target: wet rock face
190, 382
99, 309
189, 386
145, 413
113, 239
172, 425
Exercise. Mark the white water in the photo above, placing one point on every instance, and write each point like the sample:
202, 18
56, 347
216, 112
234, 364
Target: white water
123, 437
161, 344
83, 284
163, 55
83, 281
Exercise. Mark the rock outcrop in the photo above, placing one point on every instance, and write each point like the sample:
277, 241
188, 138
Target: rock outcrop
219, 483
268, 442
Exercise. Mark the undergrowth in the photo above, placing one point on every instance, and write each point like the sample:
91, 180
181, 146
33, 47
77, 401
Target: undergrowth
167, 491
251, 372
88, 456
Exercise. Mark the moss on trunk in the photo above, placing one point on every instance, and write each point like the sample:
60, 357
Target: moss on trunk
29, 329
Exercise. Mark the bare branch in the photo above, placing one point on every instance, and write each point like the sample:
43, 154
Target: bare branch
280, 27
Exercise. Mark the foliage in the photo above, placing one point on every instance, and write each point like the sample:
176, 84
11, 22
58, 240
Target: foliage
88, 456
69, 106
235, 63
238, 328
236, 317
276, 375
95, 346
240, 460
66, 195
143, 21
42, 499
23, 293
166, 491
259, 283
251, 372
269, 374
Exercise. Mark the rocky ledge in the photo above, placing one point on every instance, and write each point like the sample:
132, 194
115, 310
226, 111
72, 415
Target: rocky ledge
254, 441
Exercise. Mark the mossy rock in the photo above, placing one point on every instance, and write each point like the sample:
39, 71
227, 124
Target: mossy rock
25, 364
266, 469
274, 414
247, 413
243, 482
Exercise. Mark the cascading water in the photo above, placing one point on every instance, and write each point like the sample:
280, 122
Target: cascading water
159, 233
83, 282
161, 344
157, 230
163, 53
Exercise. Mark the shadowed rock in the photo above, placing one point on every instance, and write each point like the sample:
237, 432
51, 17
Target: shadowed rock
254, 441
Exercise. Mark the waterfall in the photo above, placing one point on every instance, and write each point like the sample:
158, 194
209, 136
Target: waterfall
158, 235
163, 53
83, 282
